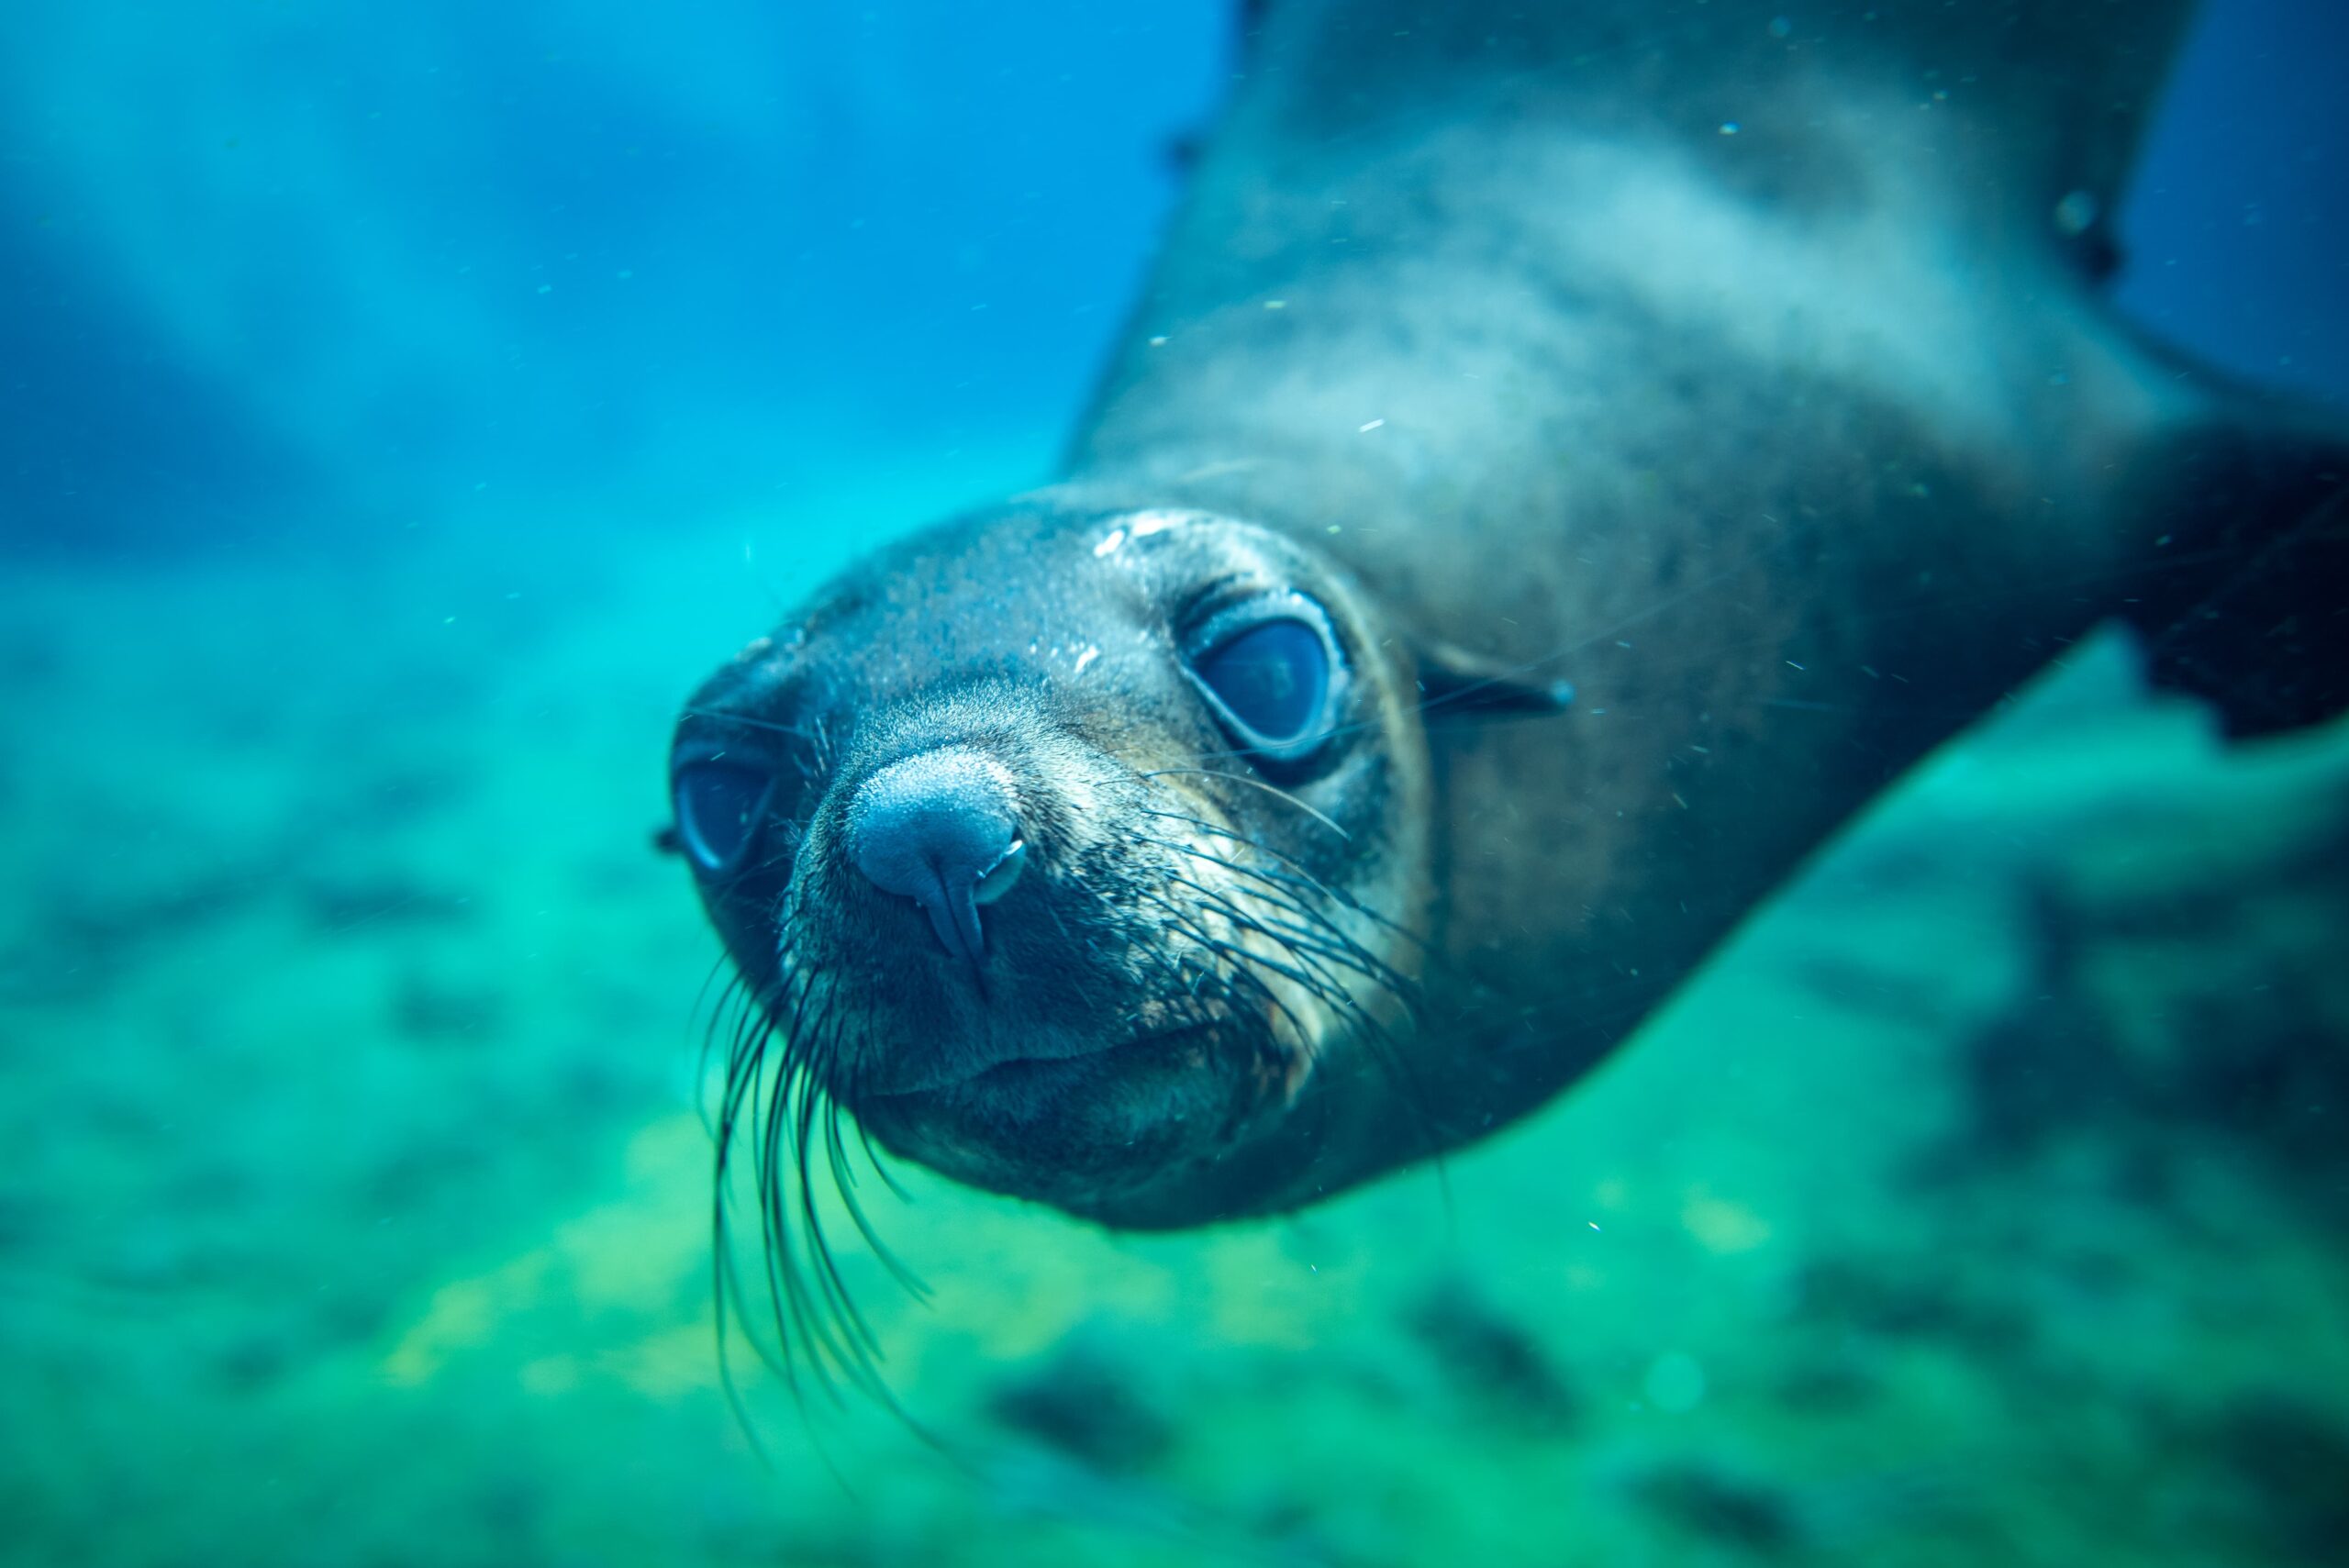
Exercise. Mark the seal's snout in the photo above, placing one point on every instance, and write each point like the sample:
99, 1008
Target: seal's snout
938, 828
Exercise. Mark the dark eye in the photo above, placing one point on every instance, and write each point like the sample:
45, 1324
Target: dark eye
1271, 670
719, 806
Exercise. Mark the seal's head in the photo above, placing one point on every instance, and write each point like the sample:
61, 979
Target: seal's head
1074, 854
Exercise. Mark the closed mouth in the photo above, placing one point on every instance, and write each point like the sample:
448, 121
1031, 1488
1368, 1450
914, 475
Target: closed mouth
1027, 1076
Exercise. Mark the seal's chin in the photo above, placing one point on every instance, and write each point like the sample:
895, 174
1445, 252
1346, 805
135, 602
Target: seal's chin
1085, 1132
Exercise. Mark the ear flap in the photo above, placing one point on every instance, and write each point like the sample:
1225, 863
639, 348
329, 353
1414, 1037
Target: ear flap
1458, 687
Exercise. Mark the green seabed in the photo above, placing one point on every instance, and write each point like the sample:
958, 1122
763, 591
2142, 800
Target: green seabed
1984, 1204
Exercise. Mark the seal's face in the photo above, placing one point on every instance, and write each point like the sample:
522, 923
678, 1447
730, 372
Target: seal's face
1069, 853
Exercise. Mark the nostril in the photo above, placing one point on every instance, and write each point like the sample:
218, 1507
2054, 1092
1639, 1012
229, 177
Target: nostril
938, 828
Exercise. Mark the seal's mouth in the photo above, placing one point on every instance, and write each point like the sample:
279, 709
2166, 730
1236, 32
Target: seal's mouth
1076, 1130
1031, 1075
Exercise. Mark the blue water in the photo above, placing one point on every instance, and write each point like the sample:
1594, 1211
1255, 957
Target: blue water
268, 263
401, 407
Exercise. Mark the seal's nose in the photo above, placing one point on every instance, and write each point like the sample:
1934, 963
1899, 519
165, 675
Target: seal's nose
938, 828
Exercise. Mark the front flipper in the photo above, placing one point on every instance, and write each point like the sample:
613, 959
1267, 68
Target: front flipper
2254, 618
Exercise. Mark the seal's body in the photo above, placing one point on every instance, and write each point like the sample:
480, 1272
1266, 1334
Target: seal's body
1210, 831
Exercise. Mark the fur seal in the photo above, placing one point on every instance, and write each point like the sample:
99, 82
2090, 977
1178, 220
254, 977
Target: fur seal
1567, 459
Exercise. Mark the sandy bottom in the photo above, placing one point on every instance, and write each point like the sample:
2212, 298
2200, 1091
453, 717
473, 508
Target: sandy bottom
1985, 1205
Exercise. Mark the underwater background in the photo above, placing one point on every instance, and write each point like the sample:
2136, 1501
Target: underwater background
400, 408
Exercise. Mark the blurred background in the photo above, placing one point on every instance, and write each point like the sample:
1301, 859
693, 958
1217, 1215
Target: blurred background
401, 409
287, 268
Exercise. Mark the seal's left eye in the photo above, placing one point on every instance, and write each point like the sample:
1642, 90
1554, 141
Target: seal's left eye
719, 806
1273, 674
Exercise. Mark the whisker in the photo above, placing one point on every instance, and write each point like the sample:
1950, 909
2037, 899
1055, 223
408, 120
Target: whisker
1336, 894
1315, 943
797, 732
1272, 789
1354, 954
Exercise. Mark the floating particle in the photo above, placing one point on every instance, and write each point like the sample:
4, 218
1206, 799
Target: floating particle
2076, 213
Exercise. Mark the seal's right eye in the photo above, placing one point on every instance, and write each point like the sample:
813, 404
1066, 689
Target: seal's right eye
1273, 673
719, 807
1271, 677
